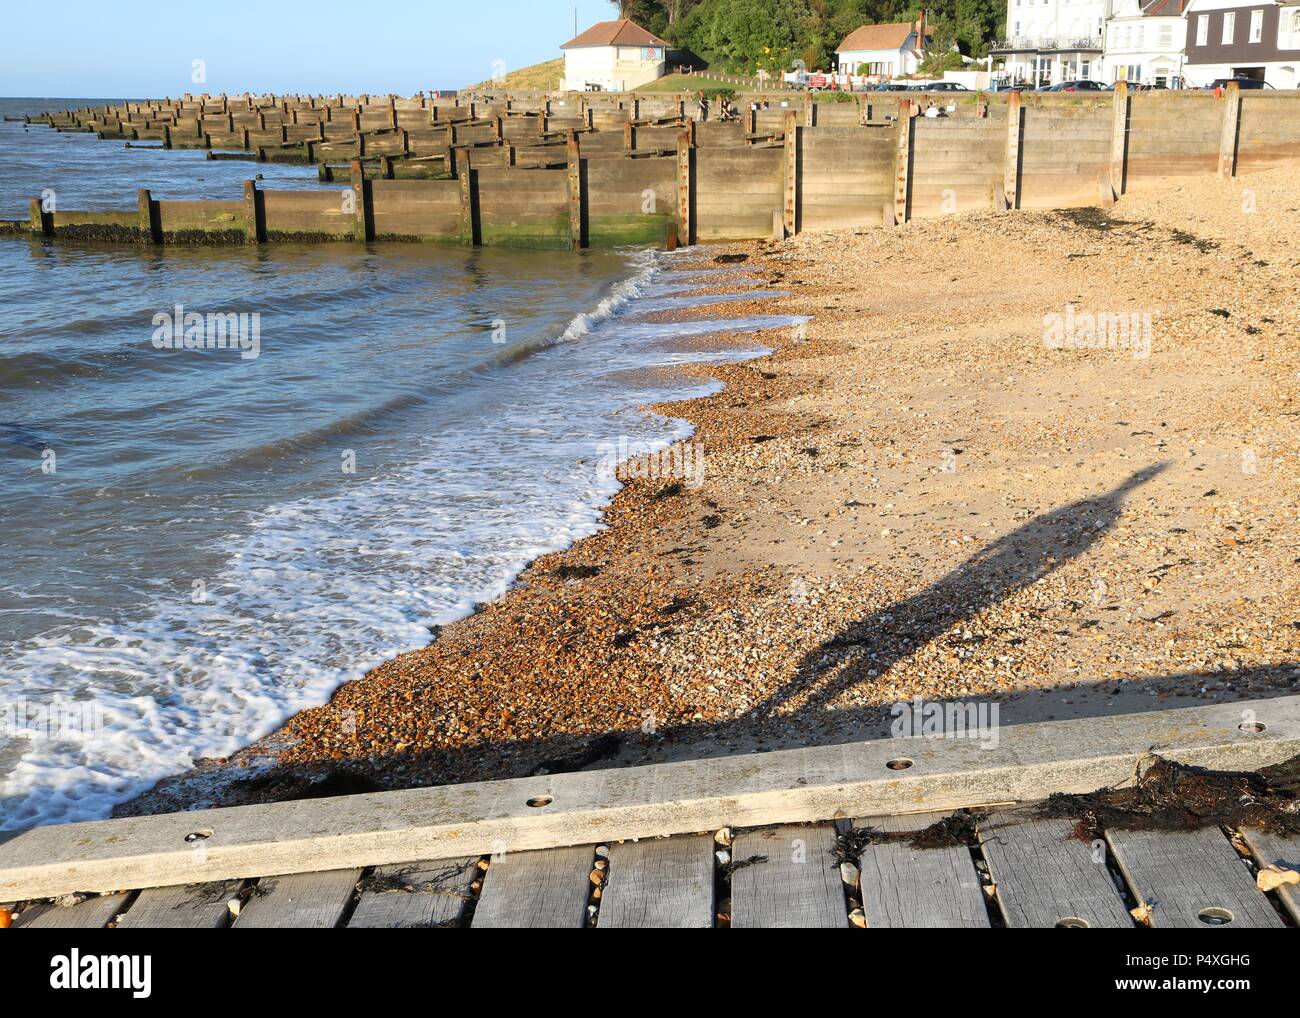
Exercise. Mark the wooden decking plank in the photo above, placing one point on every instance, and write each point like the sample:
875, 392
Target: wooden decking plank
1275, 850
914, 888
786, 878
190, 906
661, 883
1046, 877
537, 890
91, 914
679, 797
299, 901
1180, 874
440, 892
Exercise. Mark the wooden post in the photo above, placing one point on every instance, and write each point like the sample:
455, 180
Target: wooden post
254, 217
41, 222
1015, 142
365, 224
574, 188
808, 113
469, 223
1119, 139
903, 161
790, 209
629, 135
149, 222
685, 226
1228, 136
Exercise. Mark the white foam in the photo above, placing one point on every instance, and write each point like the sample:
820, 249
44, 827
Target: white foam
313, 592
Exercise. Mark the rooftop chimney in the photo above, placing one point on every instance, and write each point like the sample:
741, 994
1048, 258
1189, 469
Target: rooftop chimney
920, 30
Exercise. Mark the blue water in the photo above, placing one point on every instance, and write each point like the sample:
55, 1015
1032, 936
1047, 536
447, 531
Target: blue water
200, 542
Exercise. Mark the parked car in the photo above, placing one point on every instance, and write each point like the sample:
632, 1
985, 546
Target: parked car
948, 86
1242, 83
1079, 85
1010, 86
892, 86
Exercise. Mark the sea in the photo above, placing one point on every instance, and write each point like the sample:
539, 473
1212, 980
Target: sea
199, 542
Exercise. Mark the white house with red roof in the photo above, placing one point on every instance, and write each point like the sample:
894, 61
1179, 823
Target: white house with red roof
884, 51
613, 56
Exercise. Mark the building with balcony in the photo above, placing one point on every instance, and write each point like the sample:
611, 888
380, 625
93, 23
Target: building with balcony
1049, 41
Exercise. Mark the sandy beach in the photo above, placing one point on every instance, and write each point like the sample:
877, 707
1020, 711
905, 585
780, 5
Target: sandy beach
950, 484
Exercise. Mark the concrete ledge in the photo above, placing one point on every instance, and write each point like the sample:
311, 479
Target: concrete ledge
1028, 762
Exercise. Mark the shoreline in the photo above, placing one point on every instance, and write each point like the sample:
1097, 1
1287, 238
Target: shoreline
922, 499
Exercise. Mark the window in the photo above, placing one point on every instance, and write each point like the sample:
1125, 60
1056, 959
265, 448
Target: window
1288, 30
1256, 26
1085, 69
1202, 29
1229, 27
1165, 37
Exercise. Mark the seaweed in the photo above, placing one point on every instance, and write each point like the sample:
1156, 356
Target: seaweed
1170, 796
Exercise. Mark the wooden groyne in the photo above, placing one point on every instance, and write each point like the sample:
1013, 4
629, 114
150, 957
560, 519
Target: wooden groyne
608, 170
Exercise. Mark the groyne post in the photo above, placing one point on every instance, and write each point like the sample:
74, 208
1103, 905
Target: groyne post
573, 185
365, 224
685, 159
150, 225
469, 217
1119, 139
903, 161
1015, 149
790, 206
254, 216
1229, 131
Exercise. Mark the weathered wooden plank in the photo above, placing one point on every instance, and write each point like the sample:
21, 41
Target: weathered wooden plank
537, 890
1190, 879
421, 894
786, 878
91, 914
1274, 850
912, 888
1046, 877
193, 906
583, 807
664, 883
299, 901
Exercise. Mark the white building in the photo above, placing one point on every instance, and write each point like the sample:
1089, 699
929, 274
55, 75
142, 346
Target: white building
884, 51
1145, 41
613, 56
1049, 41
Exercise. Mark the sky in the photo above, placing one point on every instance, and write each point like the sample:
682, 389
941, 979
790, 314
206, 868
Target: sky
131, 49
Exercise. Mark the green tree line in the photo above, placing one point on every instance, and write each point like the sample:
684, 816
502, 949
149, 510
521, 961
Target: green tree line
749, 35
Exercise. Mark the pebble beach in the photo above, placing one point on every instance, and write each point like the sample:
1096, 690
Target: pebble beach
947, 485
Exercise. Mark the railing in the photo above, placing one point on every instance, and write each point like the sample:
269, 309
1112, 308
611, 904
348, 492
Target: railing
1057, 42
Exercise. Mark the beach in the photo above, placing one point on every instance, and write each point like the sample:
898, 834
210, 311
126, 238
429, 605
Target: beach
1063, 481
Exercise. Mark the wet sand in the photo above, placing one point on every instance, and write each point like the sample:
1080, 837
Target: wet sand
935, 489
